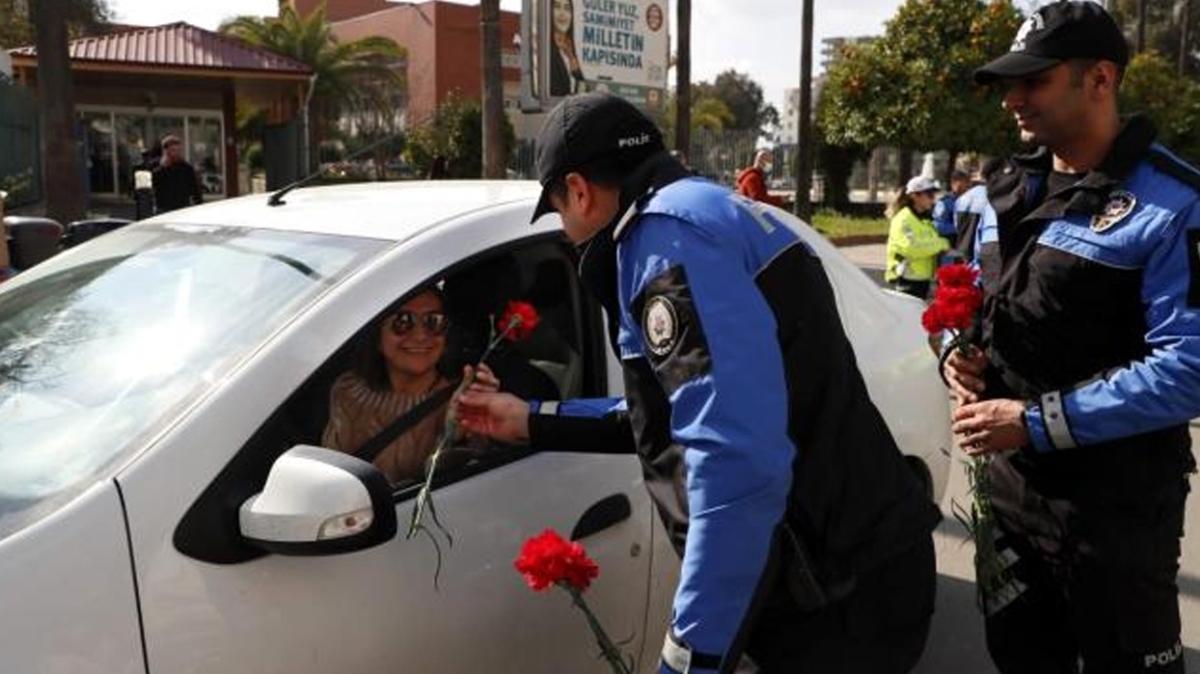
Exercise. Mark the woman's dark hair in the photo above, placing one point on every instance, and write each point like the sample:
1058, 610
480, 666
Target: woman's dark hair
368, 362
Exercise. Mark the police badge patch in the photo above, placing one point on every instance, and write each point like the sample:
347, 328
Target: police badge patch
672, 336
1120, 204
660, 324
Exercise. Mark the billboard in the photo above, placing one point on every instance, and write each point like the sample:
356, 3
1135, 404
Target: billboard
573, 46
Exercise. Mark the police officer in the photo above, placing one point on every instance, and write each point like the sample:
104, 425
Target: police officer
969, 208
805, 538
1091, 334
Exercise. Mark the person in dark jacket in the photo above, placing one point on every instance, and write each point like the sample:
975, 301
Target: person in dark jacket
175, 182
805, 538
1088, 369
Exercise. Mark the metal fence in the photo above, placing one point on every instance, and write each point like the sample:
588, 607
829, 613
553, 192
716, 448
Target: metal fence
20, 160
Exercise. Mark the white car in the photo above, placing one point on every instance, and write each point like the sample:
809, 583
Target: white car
152, 379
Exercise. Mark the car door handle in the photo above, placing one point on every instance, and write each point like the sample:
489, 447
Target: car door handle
607, 512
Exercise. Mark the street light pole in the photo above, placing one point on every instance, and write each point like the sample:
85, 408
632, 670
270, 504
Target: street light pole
803, 206
683, 78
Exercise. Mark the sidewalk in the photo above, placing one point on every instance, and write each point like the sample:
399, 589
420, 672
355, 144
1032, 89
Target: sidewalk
871, 258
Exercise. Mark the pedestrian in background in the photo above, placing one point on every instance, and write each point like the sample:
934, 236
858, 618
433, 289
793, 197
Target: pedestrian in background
969, 208
1088, 367
943, 209
913, 244
752, 180
175, 182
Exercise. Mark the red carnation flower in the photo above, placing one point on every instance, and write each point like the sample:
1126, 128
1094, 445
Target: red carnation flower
957, 275
932, 319
956, 306
547, 559
518, 321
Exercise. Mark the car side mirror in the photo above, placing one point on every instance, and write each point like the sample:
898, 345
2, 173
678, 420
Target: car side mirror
319, 502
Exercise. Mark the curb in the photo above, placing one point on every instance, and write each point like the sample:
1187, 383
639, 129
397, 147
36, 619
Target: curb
858, 240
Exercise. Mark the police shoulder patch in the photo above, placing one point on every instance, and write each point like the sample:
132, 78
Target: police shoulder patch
1120, 204
660, 325
671, 331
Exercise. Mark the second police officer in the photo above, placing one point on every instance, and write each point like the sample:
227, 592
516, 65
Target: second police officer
1090, 360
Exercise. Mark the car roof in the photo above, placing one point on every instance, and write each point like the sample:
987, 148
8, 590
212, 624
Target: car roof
380, 210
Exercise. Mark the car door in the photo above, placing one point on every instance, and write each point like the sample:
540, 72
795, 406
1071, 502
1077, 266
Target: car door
209, 603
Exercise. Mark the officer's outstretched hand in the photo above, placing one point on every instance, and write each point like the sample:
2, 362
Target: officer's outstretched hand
990, 426
499, 416
965, 375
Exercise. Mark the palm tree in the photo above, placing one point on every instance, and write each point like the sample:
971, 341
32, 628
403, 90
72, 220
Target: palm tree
361, 78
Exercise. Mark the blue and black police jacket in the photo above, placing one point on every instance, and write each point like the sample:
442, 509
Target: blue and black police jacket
746, 404
1092, 305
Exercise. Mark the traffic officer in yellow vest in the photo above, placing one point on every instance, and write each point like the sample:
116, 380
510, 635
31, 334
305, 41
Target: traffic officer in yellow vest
913, 242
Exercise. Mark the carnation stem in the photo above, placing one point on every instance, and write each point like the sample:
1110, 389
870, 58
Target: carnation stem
450, 429
612, 655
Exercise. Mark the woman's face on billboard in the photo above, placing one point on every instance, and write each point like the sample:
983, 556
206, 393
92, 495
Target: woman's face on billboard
563, 11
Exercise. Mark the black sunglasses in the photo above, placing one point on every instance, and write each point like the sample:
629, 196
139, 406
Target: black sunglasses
435, 322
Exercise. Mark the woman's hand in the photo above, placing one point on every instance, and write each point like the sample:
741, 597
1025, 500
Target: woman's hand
485, 380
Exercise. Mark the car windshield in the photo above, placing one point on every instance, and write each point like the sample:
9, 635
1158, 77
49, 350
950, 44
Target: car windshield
102, 346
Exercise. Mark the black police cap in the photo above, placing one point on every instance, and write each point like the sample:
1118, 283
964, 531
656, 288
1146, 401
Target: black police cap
587, 127
1055, 33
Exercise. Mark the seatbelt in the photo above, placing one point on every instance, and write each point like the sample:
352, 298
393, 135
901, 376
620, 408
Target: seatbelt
371, 448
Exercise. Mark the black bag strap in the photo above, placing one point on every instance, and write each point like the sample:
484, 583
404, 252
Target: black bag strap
371, 448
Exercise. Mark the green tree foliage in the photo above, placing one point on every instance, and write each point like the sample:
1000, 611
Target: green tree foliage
913, 87
456, 133
360, 78
1164, 24
1152, 87
16, 27
707, 113
742, 96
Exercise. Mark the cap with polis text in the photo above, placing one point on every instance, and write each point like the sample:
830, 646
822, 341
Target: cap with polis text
1068, 29
587, 127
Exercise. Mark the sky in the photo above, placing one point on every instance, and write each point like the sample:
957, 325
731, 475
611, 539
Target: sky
759, 37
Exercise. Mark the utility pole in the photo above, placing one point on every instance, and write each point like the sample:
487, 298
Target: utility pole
683, 78
805, 136
494, 152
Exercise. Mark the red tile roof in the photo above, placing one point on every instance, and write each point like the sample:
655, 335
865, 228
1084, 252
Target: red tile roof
178, 45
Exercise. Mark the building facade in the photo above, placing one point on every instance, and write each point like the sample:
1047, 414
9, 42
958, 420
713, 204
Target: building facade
134, 85
442, 40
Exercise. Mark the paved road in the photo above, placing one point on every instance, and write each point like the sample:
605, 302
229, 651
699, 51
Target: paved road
956, 641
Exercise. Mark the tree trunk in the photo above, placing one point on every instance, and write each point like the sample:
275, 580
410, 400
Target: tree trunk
950, 166
805, 135
683, 78
495, 155
66, 197
1141, 26
1184, 37
905, 163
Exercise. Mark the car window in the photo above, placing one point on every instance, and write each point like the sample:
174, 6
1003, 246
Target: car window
100, 348
345, 404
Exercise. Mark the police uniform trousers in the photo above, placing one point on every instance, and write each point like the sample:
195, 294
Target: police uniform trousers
880, 628
1093, 551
